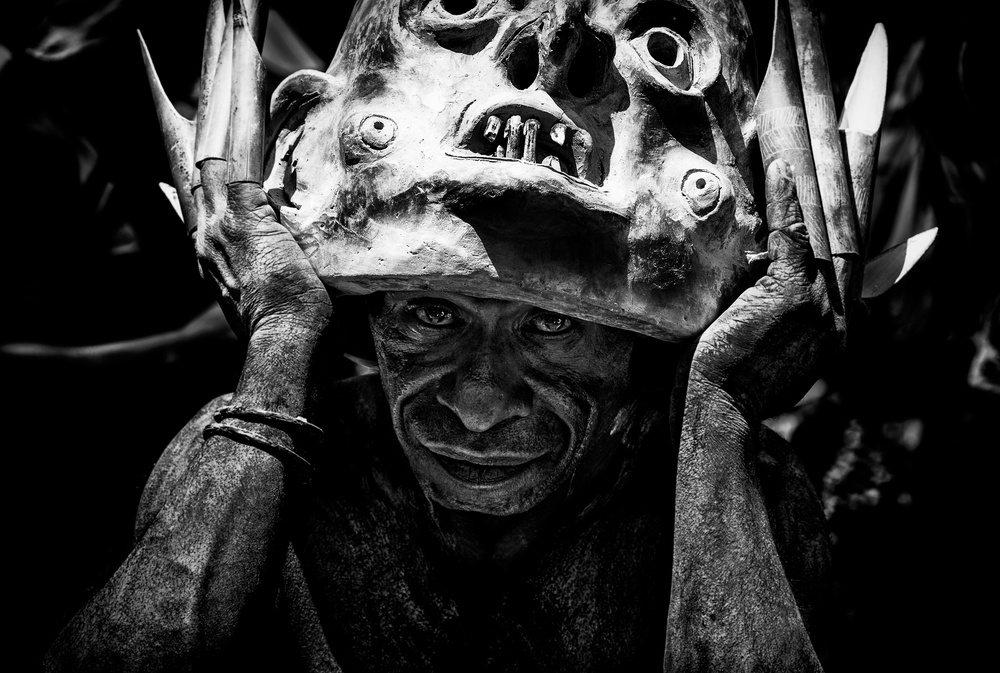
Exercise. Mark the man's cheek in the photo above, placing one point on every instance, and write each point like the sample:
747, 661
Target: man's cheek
406, 382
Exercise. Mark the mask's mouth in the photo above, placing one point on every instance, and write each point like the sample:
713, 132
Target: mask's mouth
522, 133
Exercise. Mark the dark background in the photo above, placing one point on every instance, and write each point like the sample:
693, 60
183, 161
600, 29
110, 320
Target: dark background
109, 343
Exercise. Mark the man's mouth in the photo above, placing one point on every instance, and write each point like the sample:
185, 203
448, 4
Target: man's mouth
479, 474
481, 468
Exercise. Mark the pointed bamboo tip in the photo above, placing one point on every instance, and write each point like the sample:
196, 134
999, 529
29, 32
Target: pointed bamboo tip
164, 107
866, 98
146, 58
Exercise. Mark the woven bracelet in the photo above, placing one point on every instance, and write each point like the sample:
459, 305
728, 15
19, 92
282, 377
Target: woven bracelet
291, 425
288, 457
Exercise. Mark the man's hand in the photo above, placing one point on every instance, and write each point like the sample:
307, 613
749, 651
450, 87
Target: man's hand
765, 349
267, 285
264, 279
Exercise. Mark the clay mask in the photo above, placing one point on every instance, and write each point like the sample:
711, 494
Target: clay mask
591, 158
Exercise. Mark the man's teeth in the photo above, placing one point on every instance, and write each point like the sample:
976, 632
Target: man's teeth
531, 140
520, 141
492, 128
553, 162
513, 135
582, 145
558, 134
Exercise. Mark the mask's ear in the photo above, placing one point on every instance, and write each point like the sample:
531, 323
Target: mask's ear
299, 93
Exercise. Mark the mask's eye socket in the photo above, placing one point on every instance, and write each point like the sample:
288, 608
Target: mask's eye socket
461, 10
465, 26
435, 315
549, 323
669, 54
458, 7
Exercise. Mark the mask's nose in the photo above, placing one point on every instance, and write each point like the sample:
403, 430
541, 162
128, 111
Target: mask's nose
485, 390
561, 53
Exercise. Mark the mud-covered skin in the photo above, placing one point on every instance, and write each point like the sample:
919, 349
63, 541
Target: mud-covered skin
371, 581
390, 183
398, 587
498, 405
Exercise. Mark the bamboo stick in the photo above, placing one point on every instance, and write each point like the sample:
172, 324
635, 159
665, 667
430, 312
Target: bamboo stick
215, 29
783, 130
831, 169
214, 108
248, 112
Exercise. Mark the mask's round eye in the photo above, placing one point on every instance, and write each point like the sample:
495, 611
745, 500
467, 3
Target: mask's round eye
549, 323
669, 54
378, 131
435, 316
702, 191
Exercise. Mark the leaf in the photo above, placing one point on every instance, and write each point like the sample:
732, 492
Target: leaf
172, 197
888, 268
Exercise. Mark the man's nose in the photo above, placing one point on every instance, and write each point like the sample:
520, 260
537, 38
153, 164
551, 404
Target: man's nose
561, 53
485, 391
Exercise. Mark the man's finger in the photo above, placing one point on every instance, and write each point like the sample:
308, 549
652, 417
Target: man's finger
212, 197
783, 209
789, 251
788, 245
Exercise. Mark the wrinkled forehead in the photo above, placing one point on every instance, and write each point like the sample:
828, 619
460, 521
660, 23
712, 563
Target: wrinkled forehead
376, 26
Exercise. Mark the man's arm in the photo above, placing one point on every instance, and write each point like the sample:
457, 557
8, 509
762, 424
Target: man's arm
210, 555
732, 607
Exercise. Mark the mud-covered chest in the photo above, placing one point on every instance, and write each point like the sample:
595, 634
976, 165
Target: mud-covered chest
590, 599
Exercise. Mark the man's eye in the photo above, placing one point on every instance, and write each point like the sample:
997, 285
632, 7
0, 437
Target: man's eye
549, 323
435, 316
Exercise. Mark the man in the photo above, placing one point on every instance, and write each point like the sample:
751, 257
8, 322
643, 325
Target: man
502, 495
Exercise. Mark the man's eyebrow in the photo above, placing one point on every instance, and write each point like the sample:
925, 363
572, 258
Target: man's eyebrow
422, 298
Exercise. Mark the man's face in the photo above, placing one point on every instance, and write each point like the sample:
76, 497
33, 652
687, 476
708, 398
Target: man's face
588, 156
499, 404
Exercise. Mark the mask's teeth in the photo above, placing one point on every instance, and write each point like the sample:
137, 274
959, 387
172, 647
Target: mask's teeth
552, 162
582, 146
531, 140
492, 129
558, 134
513, 135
